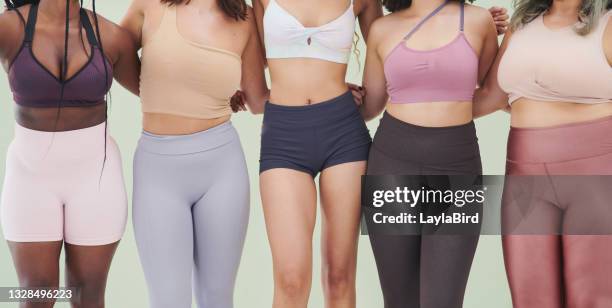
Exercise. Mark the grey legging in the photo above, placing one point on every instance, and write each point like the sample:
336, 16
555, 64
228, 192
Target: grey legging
191, 208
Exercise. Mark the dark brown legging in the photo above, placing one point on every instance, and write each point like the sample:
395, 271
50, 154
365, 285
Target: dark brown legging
428, 271
557, 247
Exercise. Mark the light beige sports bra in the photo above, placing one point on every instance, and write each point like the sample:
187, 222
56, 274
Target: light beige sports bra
559, 65
184, 78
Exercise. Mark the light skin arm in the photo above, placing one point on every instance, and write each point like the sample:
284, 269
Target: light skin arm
254, 87
489, 49
490, 97
374, 81
501, 17
133, 22
607, 41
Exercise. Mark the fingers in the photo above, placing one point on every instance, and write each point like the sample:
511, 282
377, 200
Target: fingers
501, 19
238, 101
358, 94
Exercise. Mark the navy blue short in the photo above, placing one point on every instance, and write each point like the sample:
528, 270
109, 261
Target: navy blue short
313, 137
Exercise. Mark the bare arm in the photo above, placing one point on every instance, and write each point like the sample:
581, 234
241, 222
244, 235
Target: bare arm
374, 78
371, 10
10, 23
127, 66
253, 82
258, 12
607, 41
490, 97
133, 22
489, 48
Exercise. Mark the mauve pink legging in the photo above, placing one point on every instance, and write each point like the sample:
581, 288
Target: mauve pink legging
558, 248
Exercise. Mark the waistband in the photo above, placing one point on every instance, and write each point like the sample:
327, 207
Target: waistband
209, 139
70, 144
561, 143
336, 108
394, 123
409, 142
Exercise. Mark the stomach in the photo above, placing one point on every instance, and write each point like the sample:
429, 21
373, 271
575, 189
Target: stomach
68, 118
432, 114
302, 81
167, 124
527, 113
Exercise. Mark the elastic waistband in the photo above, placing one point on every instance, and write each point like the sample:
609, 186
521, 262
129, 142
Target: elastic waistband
561, 143
432, 145
394, 123
72, 144
187, 144
332, 110
328, 104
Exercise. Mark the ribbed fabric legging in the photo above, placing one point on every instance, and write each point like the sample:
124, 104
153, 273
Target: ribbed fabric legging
426, 271
191, 207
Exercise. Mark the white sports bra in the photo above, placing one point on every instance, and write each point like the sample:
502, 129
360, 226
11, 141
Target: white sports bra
286, 37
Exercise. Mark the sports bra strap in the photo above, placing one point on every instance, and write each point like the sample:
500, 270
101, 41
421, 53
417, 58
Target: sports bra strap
91, 36
31, 23
462, 22
20, 15
424, 20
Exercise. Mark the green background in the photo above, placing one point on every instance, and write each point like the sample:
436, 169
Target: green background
487, 286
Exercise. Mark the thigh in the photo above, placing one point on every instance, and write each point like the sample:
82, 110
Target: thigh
289, 202
87, 268
220, 223
163, 228
534, 270
341, 207
95, 212
446, 261
31, 210
587, 269
37, 266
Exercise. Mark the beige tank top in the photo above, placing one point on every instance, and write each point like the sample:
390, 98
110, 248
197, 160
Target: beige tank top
557, 65
184, 78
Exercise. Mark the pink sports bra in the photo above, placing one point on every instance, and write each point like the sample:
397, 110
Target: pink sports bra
447, 73
559, 65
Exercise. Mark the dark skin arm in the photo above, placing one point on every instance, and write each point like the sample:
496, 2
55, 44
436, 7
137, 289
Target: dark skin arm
121, 49
11, 35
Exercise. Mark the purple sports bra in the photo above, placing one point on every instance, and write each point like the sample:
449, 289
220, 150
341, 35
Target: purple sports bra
448, 73
33, 85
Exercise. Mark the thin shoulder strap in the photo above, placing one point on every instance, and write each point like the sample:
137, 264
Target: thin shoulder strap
91, 36
31, 23
462, 20
424, 20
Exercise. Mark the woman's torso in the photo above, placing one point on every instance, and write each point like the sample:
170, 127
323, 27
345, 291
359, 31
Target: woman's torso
35, 77
191, 66
422, 69
314, 76
555, 76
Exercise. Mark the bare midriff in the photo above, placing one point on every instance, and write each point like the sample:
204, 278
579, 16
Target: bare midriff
432, 114
299, 82
531, 113
166, 124
60, 119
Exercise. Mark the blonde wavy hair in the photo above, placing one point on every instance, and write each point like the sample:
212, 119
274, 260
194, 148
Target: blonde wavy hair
589, 15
